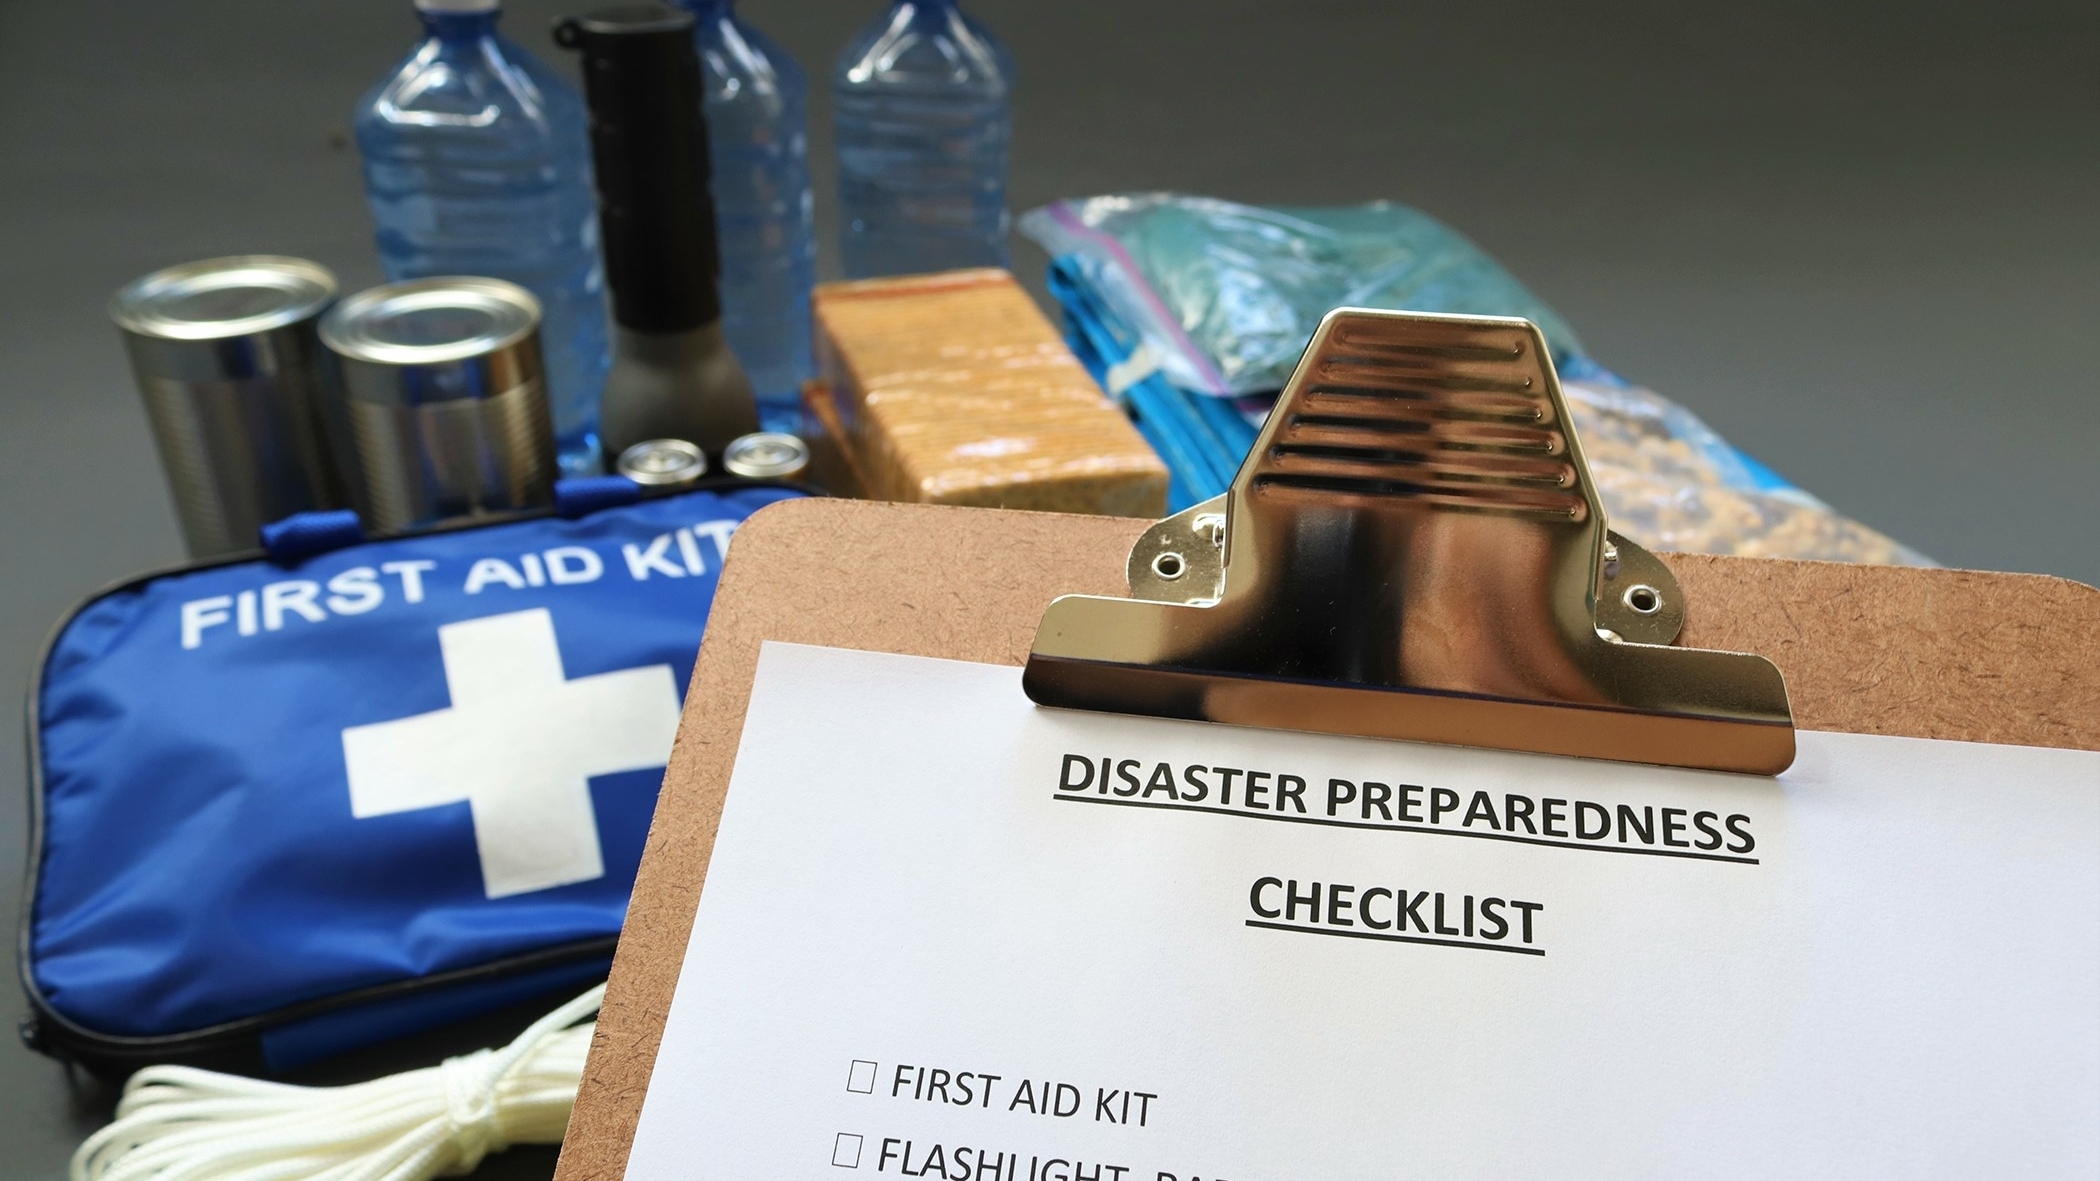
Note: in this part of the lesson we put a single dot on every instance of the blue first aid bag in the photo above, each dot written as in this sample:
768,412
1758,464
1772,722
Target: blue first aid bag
286,809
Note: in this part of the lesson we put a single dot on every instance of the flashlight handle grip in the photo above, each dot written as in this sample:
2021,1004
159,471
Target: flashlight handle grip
656,214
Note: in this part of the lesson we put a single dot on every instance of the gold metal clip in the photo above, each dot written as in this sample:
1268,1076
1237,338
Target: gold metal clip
1414,549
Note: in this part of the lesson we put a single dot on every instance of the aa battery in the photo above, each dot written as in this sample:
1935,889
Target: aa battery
234,380
444,410
664,465
766,455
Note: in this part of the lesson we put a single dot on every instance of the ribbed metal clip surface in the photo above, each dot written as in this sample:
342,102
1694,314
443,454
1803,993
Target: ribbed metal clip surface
1414,549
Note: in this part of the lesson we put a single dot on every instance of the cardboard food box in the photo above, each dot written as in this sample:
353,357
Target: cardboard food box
954,389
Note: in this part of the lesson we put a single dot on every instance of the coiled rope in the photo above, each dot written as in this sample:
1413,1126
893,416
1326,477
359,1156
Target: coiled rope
177,1123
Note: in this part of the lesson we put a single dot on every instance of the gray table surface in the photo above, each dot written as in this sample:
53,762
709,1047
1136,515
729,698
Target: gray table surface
1859,239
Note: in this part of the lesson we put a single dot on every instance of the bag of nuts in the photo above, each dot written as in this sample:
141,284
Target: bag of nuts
1670,483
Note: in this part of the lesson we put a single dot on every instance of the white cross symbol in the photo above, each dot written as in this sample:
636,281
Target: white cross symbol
519,744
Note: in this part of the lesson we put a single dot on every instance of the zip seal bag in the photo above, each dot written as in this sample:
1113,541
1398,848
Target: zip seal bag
1183,306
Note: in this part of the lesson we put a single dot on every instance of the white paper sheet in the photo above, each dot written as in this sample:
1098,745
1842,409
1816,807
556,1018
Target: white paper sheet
1886,965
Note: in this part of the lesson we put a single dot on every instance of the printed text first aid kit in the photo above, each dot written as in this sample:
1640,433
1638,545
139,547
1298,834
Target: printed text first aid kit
284,810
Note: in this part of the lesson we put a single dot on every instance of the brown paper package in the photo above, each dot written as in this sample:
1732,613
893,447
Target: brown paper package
953,389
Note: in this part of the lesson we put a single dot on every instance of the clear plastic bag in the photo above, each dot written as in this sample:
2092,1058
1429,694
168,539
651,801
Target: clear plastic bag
1227,294
1193,298
1670,483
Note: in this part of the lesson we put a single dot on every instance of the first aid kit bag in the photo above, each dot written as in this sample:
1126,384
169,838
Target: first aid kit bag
284,808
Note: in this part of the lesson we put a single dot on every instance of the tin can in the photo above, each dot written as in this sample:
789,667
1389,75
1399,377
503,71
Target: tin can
766,455
235,385
444,407
663,464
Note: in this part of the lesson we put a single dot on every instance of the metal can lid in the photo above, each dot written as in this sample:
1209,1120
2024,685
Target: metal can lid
431,321
766,455
663,463
217,298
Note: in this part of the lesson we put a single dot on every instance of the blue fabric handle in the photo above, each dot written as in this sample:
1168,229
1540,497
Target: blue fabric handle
580,496
303,535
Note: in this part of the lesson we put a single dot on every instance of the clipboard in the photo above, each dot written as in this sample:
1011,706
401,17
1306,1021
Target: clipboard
1946,654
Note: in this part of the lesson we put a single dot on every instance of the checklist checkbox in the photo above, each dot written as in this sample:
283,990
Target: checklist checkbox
860,1077
846,1152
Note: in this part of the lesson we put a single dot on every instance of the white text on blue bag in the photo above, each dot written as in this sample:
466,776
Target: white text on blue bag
681,553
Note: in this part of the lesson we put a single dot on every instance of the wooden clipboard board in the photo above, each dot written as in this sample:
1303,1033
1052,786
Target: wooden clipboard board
1950,654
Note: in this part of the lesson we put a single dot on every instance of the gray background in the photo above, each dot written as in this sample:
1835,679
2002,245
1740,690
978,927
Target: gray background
1859,239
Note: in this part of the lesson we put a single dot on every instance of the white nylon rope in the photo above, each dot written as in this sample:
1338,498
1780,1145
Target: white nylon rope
177,1123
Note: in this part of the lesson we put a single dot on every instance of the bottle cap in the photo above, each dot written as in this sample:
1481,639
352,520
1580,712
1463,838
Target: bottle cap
461,6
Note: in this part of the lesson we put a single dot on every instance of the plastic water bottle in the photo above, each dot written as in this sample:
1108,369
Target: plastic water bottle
756,100
477,162
922,126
